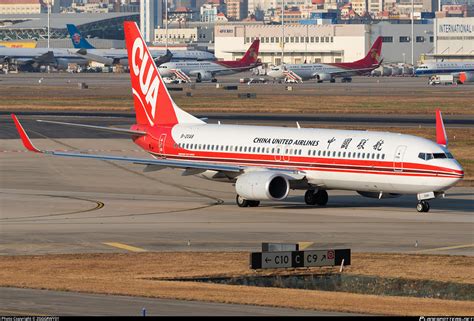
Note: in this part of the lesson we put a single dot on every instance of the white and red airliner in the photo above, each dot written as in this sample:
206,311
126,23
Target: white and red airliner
266,162
330,71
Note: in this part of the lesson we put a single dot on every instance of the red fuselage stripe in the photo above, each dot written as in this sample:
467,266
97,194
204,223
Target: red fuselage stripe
375,167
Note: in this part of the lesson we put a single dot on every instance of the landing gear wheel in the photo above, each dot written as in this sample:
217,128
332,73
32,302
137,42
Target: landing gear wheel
213,80
310,197
321,197
423,206
242,202
333,80
254,203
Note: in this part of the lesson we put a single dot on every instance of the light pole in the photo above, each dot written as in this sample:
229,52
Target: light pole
282,32
412,33
49,13
166,22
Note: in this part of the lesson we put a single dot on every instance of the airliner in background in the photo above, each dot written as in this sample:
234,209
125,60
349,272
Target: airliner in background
33,58
441,67
330,71
207,70
263,162
464,70
119,56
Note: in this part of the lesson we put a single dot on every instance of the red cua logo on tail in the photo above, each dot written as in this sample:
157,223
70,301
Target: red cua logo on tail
145,83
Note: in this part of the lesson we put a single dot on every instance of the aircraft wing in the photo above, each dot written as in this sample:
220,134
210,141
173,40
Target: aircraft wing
107,129
164,59
94,57
144,161
191,167
46,58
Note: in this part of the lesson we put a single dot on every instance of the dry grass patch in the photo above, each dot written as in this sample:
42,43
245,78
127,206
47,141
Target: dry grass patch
271,98
129,274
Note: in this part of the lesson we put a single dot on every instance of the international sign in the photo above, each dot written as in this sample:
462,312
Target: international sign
295,259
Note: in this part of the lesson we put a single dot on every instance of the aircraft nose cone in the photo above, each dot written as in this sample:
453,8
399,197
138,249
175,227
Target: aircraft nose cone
458,171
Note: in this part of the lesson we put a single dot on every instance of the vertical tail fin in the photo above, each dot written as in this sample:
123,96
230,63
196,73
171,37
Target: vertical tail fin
153,104
251,55
76,37
373,56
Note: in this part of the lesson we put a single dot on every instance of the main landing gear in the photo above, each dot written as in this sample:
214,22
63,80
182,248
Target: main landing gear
423,206
242,202
312,197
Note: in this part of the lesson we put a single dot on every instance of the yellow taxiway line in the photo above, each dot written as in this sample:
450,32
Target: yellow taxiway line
125,247
446,248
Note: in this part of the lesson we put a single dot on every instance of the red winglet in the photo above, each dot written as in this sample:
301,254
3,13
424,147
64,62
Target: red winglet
441,137
24,137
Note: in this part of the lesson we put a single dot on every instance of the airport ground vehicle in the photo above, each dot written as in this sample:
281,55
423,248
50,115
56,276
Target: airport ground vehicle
441,80
169,80
265,162
257,81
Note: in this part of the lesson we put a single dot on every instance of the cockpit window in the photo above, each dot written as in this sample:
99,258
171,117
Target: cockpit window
428,156
439,155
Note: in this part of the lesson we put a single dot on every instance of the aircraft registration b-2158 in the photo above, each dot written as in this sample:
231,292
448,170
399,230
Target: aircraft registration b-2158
266,162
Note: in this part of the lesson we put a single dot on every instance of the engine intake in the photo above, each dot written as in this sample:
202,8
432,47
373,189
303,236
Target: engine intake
202,76
262,186
323,77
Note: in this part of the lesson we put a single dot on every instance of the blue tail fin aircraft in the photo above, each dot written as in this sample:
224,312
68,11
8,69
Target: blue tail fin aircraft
77,40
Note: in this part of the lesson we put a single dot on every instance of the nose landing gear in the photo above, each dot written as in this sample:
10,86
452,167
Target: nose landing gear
423,206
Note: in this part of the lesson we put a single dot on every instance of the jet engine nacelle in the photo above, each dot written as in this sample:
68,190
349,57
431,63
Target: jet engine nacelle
203,76
386,71
377,194
323,77
61,64
262,185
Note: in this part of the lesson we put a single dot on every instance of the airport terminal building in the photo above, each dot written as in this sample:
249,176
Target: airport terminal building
324,43
105,29
454,38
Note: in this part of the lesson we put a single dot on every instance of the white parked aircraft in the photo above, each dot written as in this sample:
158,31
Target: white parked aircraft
266,162
207,70
330,71
58,58
453,67
119,56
